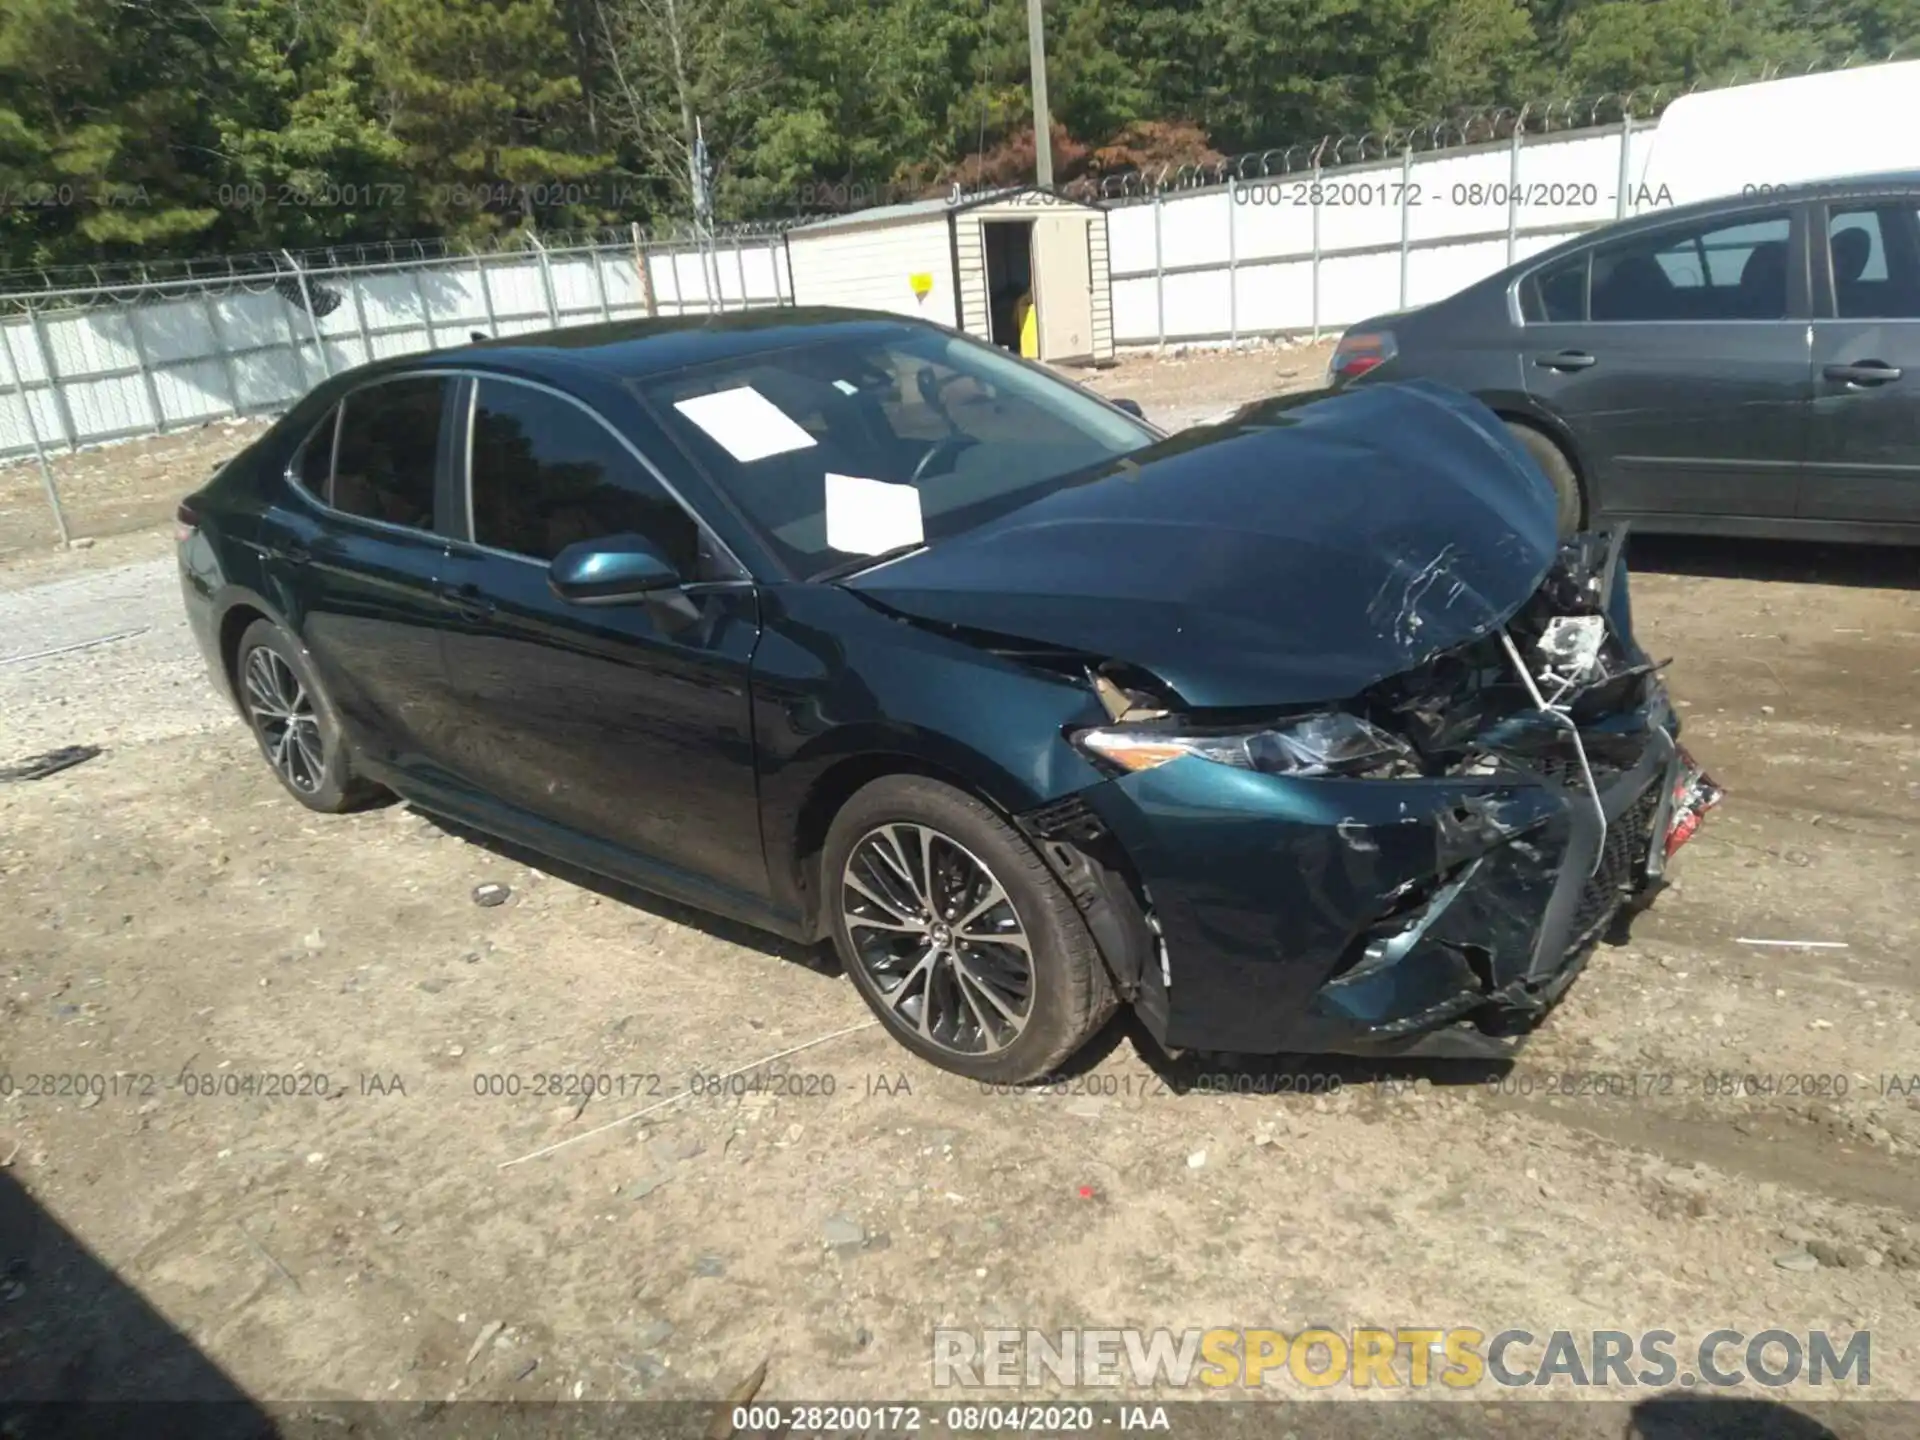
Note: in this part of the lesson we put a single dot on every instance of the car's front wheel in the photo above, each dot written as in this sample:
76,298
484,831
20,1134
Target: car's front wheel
295,724
957,935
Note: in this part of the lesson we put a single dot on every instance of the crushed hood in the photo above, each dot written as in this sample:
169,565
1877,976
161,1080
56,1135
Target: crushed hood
1298,553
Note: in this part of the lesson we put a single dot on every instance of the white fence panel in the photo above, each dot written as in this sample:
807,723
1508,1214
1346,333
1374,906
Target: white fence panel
179,353
1310,251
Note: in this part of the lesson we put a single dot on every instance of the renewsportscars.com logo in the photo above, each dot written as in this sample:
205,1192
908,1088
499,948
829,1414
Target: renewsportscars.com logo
1408,1357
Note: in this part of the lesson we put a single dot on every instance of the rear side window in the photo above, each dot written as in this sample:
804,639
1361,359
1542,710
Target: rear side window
1874,256
547,475
1730,269
1556,294
384,464
314,465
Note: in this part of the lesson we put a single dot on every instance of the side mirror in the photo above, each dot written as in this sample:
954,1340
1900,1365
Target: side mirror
1132,407
610,570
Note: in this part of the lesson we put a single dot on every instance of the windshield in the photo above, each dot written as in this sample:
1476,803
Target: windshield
876,441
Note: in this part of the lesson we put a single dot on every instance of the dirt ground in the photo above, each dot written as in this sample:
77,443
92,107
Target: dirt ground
112,489
1699,1111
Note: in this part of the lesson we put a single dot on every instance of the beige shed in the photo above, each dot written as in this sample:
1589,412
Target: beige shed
965,262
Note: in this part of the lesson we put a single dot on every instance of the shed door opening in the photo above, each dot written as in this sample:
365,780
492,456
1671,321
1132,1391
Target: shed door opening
1008,245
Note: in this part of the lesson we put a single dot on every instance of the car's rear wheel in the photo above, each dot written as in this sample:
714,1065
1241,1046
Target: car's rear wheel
957,935
295,724
1559,469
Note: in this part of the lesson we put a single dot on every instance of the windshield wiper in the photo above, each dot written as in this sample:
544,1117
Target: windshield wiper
865,562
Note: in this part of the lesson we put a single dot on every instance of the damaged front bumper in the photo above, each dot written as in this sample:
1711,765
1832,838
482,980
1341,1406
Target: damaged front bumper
1355,916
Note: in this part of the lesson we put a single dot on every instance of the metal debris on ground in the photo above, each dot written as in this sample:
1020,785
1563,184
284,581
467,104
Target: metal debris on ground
491,894
487,1333
92,644
38,767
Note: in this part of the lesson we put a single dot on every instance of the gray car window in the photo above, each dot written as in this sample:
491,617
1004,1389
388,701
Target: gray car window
1875,263
1714,269
1557,293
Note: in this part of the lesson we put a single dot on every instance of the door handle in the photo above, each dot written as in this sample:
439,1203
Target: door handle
295,554
468,602
1866,372
1566,360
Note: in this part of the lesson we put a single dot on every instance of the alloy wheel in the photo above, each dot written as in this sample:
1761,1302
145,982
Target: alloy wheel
939,936
283,713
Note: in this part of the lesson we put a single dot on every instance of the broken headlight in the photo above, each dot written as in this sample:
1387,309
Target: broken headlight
1329,743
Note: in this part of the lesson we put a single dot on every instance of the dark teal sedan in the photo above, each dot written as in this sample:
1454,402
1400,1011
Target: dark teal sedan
1304,731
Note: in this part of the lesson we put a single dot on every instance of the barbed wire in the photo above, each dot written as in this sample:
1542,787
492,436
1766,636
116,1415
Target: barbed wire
258,272
1537,117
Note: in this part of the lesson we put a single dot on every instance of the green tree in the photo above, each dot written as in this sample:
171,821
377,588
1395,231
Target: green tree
482,96
105,146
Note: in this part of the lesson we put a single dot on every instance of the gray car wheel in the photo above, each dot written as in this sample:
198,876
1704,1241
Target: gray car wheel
1548,455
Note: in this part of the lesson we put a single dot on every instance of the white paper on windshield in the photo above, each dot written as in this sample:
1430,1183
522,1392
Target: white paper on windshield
747,424
870,517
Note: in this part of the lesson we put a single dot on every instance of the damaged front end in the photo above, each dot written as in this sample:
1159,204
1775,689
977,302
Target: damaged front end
1420,869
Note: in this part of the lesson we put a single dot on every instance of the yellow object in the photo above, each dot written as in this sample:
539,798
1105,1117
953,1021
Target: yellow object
1029,322
922,284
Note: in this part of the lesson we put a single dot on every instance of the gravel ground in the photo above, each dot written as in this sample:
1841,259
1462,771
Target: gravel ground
1706,1134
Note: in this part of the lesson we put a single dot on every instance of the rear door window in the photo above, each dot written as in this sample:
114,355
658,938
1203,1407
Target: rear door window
385,461
1556,294
313,466
1717,269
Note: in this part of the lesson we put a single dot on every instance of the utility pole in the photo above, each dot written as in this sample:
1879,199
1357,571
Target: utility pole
1042,124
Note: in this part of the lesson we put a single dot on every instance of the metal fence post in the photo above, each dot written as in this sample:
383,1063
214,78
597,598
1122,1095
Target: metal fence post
1513,191
69,436
426,310
773,265
360,317
546,280
1159,275
1626,164
740,268
486,295
19,387
1233,280
313,319
222,352
146,370
1406,218
679,294
600,284
293,336
644,271
1314,195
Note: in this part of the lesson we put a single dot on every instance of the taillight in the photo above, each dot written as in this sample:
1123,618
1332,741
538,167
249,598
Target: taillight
1360,351
186,520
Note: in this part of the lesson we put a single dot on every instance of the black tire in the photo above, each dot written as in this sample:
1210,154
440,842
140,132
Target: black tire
1548,455
1068,995
312,762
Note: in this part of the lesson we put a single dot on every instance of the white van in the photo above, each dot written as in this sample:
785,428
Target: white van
1781,134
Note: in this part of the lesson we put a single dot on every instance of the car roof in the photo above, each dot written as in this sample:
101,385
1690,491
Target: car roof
1840,187
624,349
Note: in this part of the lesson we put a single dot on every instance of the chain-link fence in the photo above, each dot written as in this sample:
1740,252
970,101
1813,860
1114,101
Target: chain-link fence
93,354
